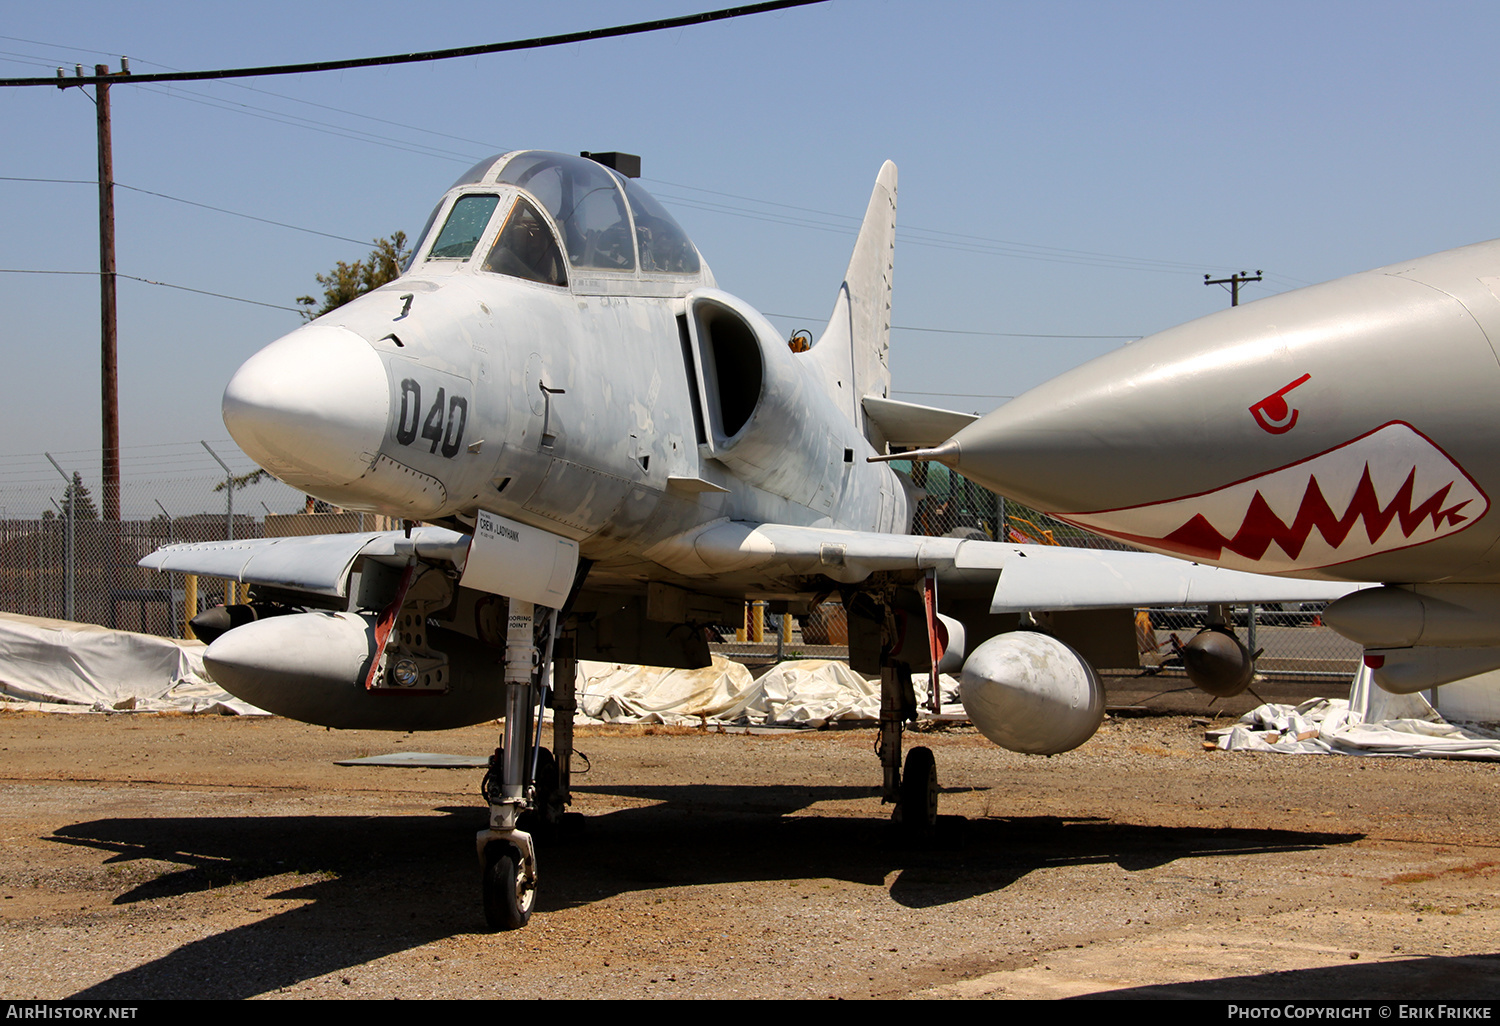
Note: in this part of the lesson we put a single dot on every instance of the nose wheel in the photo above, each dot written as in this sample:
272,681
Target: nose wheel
509,891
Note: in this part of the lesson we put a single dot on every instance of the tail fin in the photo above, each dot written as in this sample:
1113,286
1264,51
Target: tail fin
854,349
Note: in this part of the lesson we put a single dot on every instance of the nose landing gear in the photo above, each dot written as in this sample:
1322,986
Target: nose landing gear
524,778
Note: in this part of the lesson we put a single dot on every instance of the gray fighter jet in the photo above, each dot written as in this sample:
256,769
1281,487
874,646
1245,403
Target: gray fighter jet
607,454
1337,432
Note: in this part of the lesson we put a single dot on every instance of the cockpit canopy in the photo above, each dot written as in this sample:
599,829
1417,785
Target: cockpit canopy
603,220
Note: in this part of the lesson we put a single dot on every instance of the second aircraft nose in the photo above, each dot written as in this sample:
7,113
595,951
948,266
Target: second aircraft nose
311,407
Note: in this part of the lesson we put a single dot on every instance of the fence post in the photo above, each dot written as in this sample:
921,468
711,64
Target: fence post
68,542
228,488
189,604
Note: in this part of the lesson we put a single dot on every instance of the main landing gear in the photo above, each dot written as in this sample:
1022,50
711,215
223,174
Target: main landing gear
914,790
526,787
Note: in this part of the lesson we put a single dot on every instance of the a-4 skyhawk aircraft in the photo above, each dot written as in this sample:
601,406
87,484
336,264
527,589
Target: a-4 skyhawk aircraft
607,453
1344,431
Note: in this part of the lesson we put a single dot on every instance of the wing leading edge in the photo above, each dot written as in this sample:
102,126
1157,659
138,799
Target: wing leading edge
319,564
1024,577
1027,577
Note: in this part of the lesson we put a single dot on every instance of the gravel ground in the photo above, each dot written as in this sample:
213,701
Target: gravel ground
151,856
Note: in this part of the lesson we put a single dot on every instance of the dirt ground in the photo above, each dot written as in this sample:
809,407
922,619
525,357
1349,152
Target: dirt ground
146,856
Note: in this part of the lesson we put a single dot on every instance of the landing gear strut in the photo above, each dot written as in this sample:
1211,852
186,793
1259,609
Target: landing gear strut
915,791
523,776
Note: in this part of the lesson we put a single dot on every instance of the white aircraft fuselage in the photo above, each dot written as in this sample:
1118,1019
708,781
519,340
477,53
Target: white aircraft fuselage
619,407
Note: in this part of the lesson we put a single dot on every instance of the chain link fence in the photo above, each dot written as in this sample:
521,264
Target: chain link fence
59,557
82,567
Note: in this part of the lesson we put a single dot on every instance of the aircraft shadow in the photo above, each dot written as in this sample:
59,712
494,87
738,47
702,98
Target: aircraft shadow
1434,977
381,885
962,859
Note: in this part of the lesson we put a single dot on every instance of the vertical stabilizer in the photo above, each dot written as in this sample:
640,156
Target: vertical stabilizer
853,351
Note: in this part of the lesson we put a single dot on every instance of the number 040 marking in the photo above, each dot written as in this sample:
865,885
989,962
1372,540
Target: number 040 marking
443,425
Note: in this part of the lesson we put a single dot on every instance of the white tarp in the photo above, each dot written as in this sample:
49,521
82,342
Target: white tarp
807,692
70,667
1371,722
75,667
56,665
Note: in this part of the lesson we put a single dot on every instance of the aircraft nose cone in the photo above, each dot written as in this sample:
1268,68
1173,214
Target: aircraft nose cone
311,407
1080,441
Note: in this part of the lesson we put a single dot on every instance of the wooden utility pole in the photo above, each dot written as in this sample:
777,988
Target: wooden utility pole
1233,281
109,380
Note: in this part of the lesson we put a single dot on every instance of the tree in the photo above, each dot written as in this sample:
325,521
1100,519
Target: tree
84,508
349,281
244,481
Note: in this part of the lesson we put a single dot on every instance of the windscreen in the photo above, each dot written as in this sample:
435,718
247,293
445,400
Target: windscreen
466,223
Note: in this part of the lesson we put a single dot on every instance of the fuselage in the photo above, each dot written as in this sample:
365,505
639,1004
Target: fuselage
558,353
1342,431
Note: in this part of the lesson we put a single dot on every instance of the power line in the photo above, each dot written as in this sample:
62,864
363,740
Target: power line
236,213
204,292
918,235
149,281
294,121
962,331
191,203
52,181
953,395
426,55
46,62
1011,334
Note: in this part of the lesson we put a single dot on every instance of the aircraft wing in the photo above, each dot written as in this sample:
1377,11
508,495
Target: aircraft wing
1027,577
1024,577
318,564
1053,577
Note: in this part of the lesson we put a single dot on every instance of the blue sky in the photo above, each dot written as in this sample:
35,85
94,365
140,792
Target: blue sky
1069,168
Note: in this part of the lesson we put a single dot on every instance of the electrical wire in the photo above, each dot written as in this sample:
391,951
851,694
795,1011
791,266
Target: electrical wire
918,235
236,213
320,127
422,56
149,281
962,331
205,292
955,395
191,203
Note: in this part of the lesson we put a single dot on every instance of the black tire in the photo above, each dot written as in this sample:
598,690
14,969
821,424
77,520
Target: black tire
508,898
919,792
548,812
546,783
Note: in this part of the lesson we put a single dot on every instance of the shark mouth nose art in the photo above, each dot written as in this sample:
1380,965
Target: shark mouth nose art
1389,489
